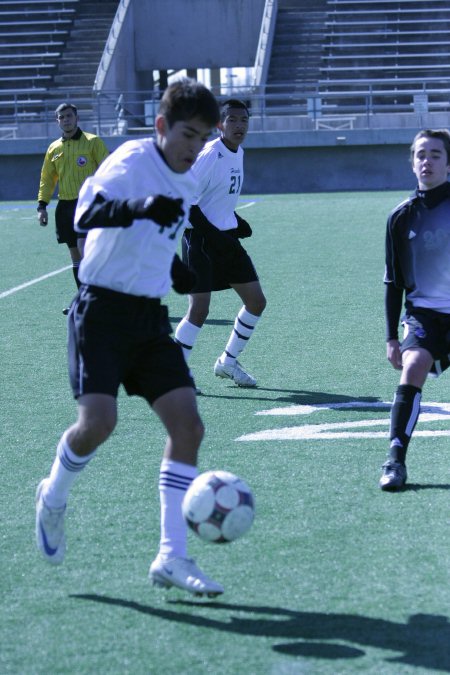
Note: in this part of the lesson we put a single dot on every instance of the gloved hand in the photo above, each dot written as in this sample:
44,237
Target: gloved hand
163,210
183,279
243,228
225,244
42,216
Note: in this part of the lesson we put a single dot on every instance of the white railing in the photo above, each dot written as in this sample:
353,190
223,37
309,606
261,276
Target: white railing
265,42
283,107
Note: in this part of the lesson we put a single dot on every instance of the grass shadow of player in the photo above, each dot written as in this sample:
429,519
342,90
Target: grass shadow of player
423,641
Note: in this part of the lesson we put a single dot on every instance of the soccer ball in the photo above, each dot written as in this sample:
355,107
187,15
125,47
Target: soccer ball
219,506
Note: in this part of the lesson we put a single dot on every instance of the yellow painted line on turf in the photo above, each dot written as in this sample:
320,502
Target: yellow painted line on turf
34,281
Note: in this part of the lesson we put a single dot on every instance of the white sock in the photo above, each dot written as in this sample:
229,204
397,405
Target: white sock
174,480
244,325
186,334
65,469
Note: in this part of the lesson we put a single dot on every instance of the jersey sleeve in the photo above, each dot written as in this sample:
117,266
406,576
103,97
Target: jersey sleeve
203,170
48,180
100,151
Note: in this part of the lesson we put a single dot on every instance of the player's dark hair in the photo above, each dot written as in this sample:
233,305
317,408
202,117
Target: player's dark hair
186,99
232,103
64,106
442,134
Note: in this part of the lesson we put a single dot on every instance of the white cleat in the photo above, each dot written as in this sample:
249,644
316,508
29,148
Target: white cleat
234,372
182,573
50,538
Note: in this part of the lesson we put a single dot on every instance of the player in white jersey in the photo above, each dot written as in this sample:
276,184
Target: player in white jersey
134,210
211,247
417,268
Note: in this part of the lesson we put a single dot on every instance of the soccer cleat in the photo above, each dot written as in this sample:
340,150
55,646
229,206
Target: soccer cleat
234,372
66,311
182,573
50,538
394,475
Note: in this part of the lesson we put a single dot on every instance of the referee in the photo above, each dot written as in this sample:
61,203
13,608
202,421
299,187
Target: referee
68,161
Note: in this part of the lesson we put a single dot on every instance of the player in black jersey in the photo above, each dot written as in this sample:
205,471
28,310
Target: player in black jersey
417,271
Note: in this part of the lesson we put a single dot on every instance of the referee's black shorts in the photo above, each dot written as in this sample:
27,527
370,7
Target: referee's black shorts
214,271
116,338
64,221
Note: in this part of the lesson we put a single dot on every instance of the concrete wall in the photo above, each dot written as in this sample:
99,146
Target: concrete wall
280,162
196,33
206,34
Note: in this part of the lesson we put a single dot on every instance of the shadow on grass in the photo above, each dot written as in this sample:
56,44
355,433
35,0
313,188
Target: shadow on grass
299,397
209,322
423,641
415,487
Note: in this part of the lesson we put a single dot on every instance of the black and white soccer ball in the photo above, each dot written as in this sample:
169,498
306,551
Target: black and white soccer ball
219,507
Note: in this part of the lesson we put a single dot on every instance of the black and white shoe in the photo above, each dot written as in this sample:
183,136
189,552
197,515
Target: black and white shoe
394,475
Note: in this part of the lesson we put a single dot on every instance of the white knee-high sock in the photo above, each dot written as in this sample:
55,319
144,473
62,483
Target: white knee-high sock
244,325
65,469
186,334
174,480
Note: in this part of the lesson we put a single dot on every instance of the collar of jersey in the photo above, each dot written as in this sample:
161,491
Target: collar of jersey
433,197
75,137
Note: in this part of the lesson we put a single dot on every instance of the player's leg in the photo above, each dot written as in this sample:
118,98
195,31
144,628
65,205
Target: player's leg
81,241
96,362
65,233
96,420
178,412
404,415
245,323
189,327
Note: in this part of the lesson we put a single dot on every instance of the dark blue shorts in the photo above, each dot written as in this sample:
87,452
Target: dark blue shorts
215,272
64,222
115,338
429,330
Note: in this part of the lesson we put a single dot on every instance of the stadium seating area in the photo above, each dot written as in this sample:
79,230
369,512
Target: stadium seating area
391,39
49,49
346,52
328,56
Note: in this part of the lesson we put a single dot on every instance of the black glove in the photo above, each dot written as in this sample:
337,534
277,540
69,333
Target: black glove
42,213
243,228
163,210
223,243
183,279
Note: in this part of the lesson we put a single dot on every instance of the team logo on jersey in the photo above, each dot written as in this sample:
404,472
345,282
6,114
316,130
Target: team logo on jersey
81,160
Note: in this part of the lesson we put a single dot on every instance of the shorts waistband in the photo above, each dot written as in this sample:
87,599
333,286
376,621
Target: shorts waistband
118,295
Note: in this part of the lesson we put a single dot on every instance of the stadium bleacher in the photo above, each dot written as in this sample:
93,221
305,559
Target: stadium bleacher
329,57
49,50
395,38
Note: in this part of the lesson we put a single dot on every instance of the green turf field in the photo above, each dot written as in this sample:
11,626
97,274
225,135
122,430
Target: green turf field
335,576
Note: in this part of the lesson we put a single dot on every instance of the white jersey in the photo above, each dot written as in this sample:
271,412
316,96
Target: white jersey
220,174
135,259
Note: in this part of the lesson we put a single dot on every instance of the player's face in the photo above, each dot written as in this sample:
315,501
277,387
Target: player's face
430,163
67,122
181,143
234,127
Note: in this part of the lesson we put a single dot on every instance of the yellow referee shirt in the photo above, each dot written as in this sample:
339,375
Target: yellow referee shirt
69,162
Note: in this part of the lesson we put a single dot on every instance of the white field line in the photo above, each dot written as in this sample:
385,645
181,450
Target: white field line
33,281
245,206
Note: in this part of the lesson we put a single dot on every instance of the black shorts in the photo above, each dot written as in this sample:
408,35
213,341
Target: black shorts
115,339
64,221
215,272
428,329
